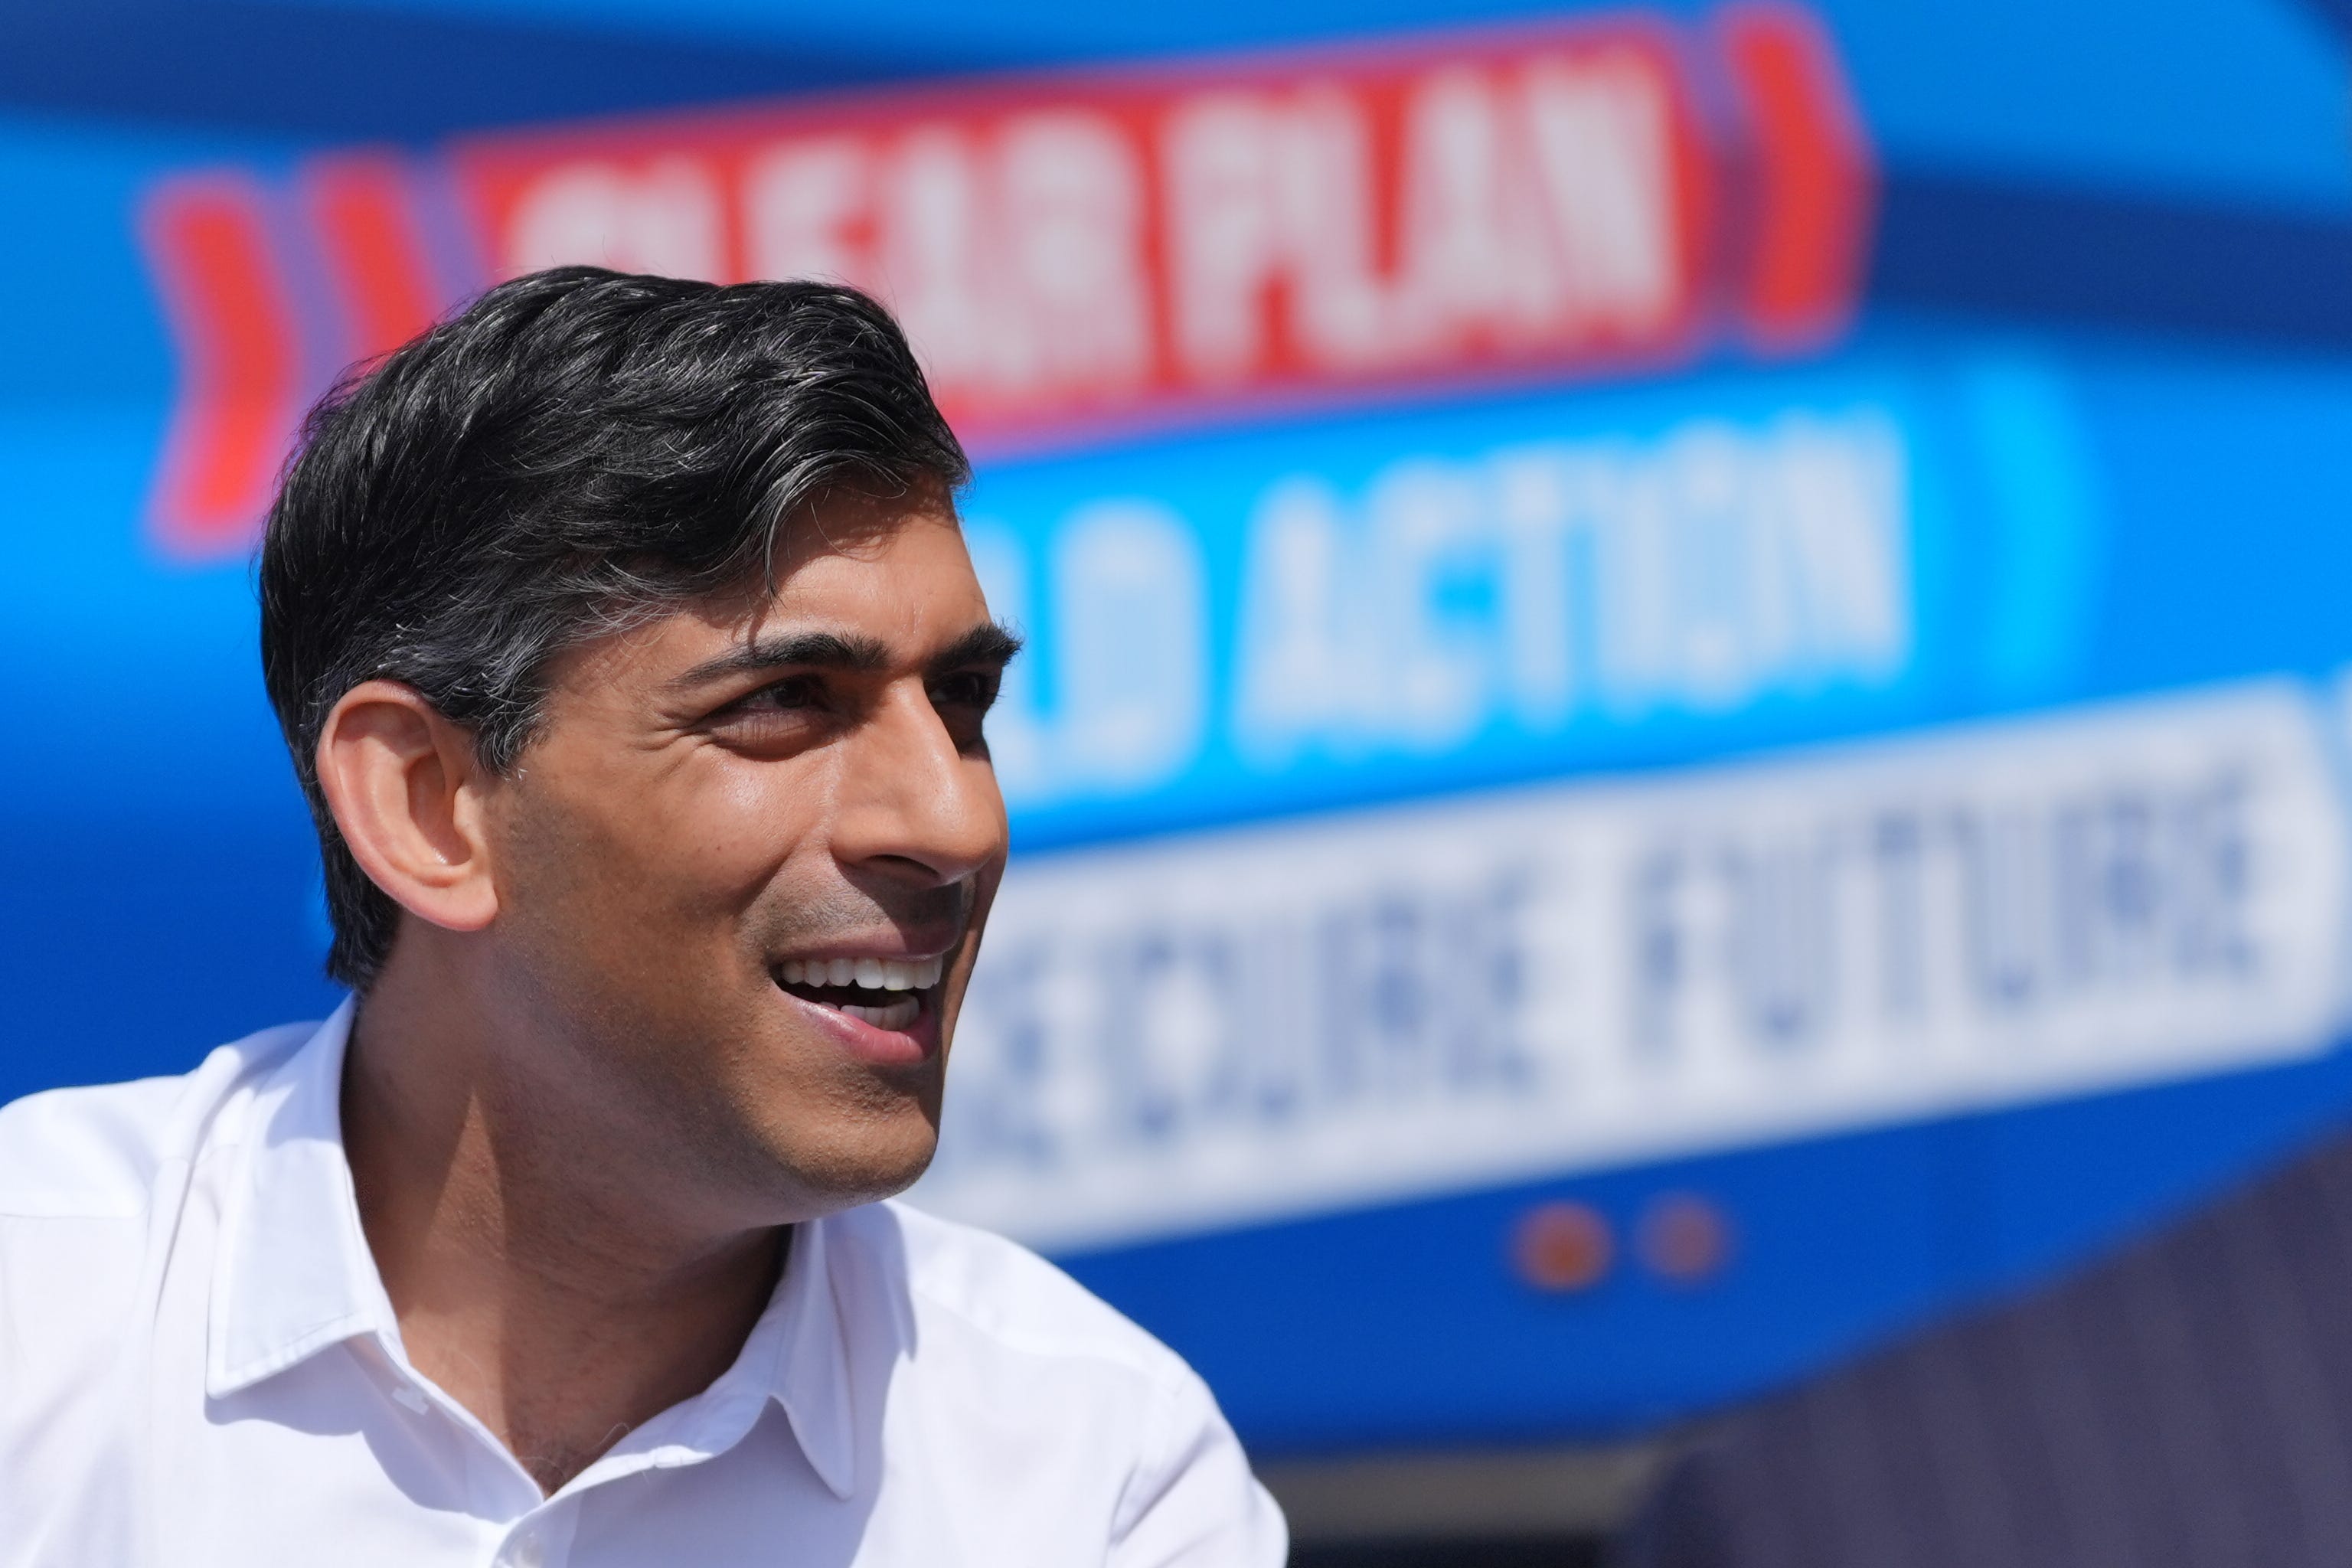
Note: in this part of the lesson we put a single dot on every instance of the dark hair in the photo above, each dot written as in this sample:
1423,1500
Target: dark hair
576,449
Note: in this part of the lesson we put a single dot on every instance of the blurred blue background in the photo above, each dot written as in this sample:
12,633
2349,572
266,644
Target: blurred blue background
2003,530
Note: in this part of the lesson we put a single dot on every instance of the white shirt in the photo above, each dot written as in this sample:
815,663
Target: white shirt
198,1365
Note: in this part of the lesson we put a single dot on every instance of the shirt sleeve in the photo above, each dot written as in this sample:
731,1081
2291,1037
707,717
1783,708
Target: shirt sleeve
1192,1502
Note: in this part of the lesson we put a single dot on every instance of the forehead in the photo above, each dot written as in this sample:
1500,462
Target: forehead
892,572
888,564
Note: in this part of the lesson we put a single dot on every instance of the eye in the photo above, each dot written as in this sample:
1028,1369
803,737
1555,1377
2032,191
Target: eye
780,713
793,692
973,691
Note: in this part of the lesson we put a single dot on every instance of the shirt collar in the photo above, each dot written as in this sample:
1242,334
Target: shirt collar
810,1377
295,1276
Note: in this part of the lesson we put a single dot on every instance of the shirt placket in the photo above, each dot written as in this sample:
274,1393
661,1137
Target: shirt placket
519,1526
541,1538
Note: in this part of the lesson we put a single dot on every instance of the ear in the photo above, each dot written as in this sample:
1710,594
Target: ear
406,788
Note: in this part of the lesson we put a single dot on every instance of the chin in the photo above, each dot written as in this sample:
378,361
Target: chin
863,1163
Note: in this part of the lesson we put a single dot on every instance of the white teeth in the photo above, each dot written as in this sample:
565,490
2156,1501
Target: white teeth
897,1016
873,973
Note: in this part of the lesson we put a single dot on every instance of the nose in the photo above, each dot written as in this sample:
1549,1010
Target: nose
909,804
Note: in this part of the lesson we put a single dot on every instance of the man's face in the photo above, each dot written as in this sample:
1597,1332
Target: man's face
745,862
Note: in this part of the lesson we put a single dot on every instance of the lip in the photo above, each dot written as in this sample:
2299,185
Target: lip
910,1047
910,945
906,952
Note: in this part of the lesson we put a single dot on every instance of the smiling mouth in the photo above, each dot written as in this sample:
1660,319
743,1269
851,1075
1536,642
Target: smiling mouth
887,993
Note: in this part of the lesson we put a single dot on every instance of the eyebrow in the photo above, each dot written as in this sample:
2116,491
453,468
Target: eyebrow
989,644
986,644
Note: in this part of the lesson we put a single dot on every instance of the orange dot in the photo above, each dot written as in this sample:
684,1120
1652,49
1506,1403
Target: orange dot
1562,1247
1684,1238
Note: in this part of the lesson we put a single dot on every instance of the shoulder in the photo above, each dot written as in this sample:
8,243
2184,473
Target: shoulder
94,1195
1026,1360
96,1153
1011,1297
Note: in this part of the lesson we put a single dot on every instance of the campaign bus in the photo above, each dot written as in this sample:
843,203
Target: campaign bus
1682,705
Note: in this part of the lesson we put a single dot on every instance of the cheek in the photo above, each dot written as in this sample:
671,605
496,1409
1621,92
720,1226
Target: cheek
664,852
722,835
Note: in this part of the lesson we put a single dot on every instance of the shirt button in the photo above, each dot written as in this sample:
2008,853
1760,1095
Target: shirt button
525,1552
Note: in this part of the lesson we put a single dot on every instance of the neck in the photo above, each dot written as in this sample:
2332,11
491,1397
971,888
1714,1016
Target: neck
558,1288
